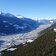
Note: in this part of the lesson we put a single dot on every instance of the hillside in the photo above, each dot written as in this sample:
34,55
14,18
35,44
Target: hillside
42,46
10,24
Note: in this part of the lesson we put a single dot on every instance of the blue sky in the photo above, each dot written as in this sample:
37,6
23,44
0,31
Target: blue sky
30,8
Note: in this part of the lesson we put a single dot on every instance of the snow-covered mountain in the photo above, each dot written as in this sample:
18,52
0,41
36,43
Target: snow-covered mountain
10,24
7,14
19,29
45,21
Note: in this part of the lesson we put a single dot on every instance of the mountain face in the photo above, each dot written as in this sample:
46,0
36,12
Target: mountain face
10,24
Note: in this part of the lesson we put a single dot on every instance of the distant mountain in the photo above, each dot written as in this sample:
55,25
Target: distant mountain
19,29
7,15
45,21
44,45
10,24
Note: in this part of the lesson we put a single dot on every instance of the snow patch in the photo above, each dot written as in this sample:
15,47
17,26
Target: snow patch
11,49
30,40
51,21
19,16
54,29
4,21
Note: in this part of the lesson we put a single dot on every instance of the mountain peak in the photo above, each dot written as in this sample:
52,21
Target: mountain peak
7,14
19,16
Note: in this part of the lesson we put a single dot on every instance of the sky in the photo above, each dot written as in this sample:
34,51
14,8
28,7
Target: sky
30,8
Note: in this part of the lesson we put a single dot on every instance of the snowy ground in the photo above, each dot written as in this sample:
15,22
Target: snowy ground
11,49
17,39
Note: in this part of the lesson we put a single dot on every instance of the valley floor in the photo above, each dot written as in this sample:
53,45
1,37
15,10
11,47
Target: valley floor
45,45
21,38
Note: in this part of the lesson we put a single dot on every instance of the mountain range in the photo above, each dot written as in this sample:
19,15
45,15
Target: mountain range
19,30
10,24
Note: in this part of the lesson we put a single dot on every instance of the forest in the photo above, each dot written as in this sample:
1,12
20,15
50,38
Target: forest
45,45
